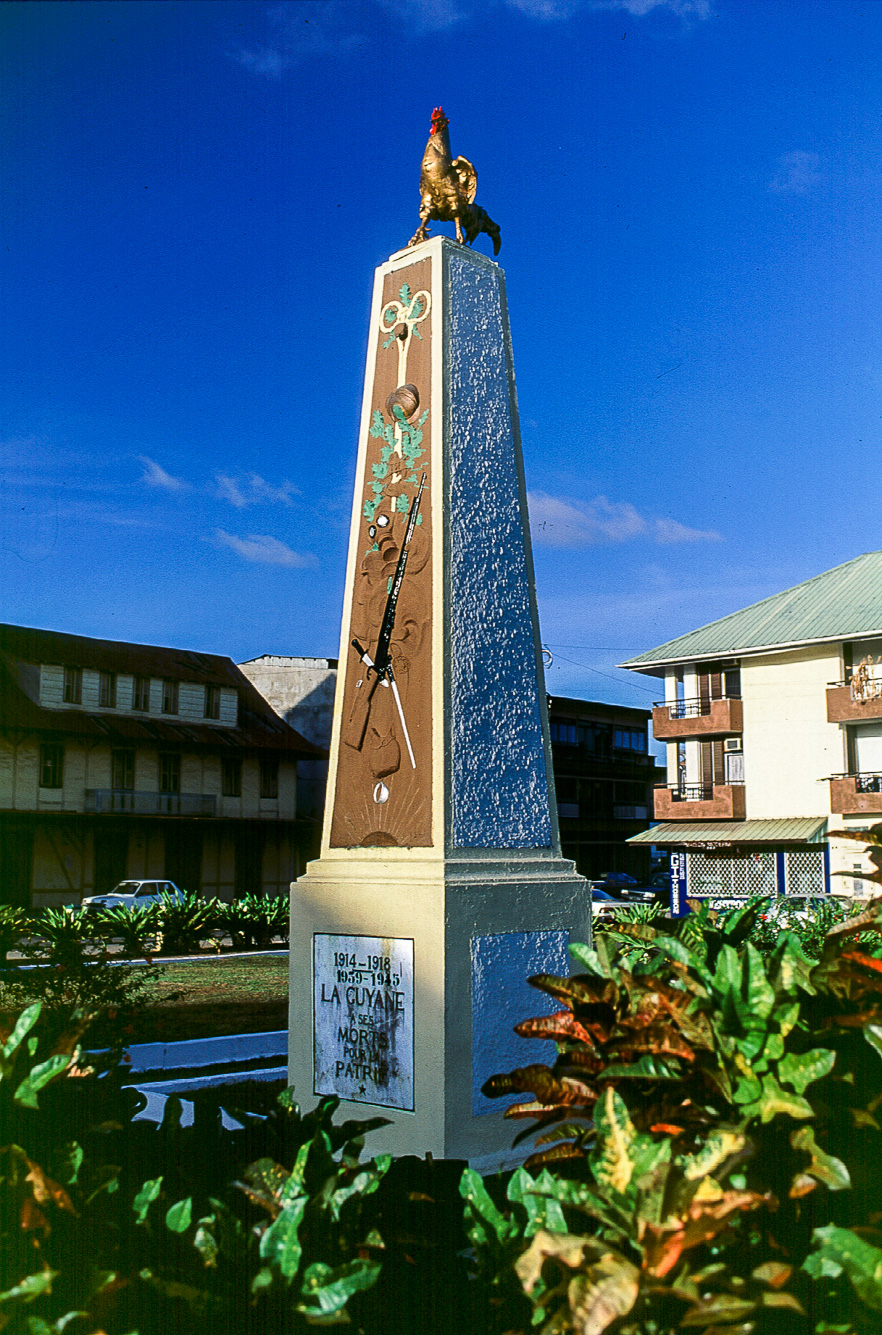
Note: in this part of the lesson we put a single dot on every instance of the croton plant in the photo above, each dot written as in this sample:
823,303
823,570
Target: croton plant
708,1146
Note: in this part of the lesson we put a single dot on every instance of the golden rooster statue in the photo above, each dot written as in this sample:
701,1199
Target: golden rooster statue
447,190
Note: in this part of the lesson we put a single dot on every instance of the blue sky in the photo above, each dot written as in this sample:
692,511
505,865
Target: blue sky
197,195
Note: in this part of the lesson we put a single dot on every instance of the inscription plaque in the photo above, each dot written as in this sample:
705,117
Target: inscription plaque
363,1019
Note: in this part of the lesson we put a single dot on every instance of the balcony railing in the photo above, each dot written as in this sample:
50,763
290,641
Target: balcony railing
854,700
851,794
116,800
700,801
691,708
700,717
692,792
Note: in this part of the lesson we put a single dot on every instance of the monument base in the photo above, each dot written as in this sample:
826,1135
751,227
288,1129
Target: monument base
408,973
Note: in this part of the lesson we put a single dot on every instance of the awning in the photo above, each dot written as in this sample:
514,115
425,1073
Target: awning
793,830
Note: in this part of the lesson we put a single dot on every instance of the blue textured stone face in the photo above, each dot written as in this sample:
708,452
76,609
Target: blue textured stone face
501,997
498,781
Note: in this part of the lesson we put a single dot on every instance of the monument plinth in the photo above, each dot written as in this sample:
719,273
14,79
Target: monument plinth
440,884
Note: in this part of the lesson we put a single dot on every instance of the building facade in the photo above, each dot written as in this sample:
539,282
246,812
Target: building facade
604,777
123,760
773,723
301,691
603,773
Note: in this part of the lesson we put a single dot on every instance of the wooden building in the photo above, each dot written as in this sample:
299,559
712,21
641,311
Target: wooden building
128,760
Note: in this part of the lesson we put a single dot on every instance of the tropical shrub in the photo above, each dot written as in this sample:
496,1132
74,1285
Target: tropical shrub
254,921
708,1144
15,925
77,982
116,1225
135,928
186,925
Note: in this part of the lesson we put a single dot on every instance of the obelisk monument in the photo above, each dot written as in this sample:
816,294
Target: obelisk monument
440,886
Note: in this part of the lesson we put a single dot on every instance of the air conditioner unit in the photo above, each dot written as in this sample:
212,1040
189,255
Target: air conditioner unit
732,744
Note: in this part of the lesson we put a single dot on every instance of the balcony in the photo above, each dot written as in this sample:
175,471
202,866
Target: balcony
853,794
674,719
130,803
854,701
701,801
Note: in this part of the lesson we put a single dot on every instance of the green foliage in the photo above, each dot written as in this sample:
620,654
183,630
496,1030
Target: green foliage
75,979
709,1132
809,923
398,435
15,925
85,1238
254,921
135,927
186,924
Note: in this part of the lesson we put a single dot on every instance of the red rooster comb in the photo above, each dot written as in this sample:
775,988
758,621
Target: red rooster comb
439,120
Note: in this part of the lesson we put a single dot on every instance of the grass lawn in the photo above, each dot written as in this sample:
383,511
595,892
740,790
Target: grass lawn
219,995
246,995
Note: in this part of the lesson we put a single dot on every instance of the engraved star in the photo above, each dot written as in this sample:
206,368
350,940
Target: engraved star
361,1089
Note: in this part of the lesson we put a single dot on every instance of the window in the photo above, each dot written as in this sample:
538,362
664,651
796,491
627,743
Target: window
107,690
231,778
212,702
73,686
269,777
627,740
122,770
169,697
51,765
141,694
169,772
732,683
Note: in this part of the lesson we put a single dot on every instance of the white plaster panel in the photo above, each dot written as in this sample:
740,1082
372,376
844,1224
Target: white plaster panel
27,763
7,774
51,685
90,688
789,747
287,790
191,773
191,701
300,690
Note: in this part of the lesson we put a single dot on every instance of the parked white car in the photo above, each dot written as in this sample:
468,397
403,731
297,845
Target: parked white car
130,893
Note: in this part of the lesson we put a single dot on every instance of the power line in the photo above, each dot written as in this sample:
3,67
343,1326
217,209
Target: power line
651,690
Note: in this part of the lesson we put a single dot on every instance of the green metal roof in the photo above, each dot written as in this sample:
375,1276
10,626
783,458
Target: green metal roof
841,604
791,830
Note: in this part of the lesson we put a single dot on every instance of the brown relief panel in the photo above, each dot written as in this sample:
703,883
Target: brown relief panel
383,795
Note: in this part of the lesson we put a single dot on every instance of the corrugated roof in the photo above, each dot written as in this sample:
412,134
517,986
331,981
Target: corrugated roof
23,648
841,604
790,830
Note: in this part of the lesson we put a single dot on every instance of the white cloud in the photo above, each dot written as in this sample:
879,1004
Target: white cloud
558,523
262,548
301,30
156,476
228,490
306,29
797,173
253,490
564,9
671,530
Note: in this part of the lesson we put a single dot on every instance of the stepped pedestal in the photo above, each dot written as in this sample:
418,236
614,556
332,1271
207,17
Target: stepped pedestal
440,886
